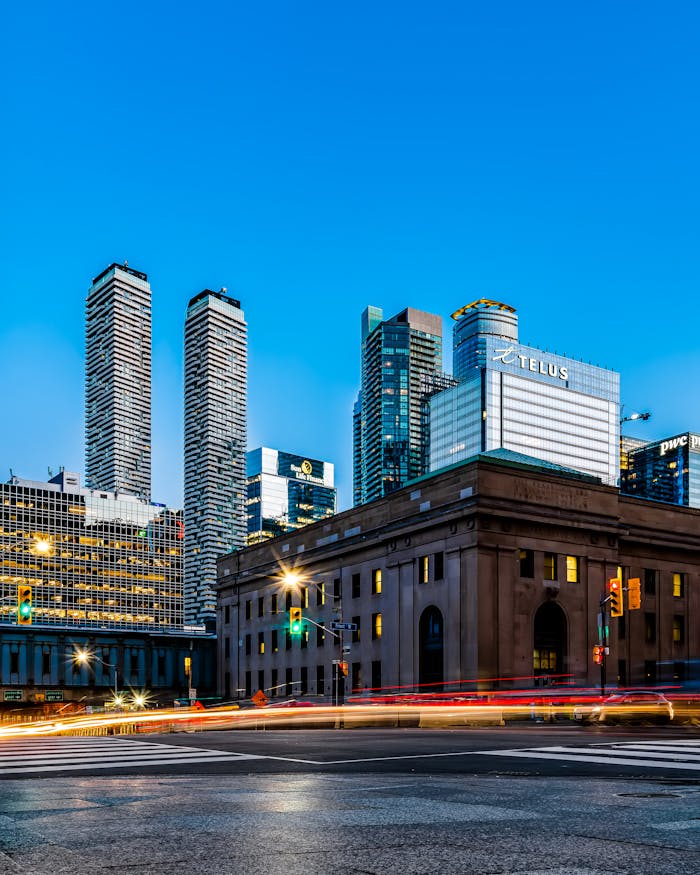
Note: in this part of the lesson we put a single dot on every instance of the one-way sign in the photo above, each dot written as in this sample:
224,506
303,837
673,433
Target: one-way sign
342,627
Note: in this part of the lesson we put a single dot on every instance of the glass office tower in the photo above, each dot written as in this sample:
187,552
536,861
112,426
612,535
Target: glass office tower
216,368
118,382
667,470
387,432
286,492
92,558
524,399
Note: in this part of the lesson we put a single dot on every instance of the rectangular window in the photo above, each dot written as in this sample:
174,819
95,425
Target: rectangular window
274,643
356,633
356,677
376,674
261,642
288,600
320,680
161,664
679,671
46,663
227,614
274,691
423,569
439,566
320,636
678,585
248,609
649,672
304,593
261,606
261,680
678,630
621,628
304,680
527,563
273,603
355,586
572,569
376,626
14,663
649,581
248,645
622,672
304,638
288,682
376,581
320,595
550,566
287,639
336,587
248,685
650,628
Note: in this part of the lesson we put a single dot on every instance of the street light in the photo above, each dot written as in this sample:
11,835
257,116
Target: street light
84,657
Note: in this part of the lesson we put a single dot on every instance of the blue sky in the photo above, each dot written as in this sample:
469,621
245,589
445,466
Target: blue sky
315,158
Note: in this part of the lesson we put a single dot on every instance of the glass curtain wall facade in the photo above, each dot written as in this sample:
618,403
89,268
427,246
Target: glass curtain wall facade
667,470
118,382
286,492
524,399
387,429
92,559
216,369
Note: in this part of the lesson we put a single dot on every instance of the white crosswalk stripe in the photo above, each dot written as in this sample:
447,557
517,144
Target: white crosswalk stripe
661,754
61,754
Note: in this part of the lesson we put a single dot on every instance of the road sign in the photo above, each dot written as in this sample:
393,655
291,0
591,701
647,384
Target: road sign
13,695
259,699
347,649
193,693
54,696
342,627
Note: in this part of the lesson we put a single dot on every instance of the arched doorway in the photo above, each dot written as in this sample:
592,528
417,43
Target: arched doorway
431,648
549,640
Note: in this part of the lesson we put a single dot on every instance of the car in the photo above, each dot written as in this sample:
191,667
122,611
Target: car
631,706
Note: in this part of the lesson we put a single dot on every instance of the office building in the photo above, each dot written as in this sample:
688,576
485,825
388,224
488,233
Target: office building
524,399
92,559
216,367
118,382
488,574
666,470
286,492
396,353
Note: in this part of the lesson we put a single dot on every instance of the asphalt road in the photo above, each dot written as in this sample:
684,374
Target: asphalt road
537,799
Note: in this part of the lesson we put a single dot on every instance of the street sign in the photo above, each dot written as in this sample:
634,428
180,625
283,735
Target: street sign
13,695
259,699
347,649
193,693
54,696
334,626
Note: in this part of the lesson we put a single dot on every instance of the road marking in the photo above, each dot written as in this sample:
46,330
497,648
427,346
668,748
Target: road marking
619,754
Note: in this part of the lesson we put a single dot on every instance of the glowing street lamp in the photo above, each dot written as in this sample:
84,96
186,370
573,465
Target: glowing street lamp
84,657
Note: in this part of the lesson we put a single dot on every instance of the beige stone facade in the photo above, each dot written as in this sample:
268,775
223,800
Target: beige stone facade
492,573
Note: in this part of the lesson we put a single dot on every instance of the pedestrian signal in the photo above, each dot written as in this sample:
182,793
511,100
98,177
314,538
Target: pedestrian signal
598,652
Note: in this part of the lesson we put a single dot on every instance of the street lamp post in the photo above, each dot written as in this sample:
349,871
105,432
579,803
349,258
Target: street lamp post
83,657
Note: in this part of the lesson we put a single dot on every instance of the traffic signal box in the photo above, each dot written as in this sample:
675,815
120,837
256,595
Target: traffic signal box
295,627
598,652
24,605
617,607
634,594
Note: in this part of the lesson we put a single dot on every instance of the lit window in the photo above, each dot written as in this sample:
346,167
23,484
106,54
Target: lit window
678,585
376,626
423,569
376,581
572,569
550,566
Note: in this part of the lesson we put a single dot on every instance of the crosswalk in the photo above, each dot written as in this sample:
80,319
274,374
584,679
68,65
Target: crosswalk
681,754
70,754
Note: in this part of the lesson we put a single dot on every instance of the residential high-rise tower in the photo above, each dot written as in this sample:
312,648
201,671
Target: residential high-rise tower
118,382
397,354
216,366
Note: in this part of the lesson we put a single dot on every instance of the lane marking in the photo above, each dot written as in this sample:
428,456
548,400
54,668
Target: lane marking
607,760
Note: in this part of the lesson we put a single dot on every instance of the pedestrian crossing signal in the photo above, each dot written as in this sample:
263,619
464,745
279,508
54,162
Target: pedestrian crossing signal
295,627
24,605
598,651
617,608
634,594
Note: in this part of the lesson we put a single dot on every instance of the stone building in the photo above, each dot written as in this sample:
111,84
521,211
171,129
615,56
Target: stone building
488,574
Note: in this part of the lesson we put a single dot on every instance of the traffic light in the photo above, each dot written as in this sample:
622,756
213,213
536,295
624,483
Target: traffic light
24,605
634,594
343,666
598,651
617,608
295,621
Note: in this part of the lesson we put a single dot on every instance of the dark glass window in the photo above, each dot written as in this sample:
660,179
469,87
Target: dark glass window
274,689
356,676
288,601
304,680
356,633
678,629
273,603
261,679
320,680
527,563
14,663
355,586
336,588
248,645
248,685
320,636
649,581
274,643
261,606
550,566
621,628
46,663
248,609
439,566
288,682
376,674
650,628
649,671
227,614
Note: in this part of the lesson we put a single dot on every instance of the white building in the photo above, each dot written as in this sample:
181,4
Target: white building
216,367
523,399
118,382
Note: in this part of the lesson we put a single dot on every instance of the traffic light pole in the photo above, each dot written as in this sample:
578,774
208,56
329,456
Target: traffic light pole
604,642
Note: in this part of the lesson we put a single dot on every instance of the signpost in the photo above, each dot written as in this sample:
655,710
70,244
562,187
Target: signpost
335,626
53,696
12,695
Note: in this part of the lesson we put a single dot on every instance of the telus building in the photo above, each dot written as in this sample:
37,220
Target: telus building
523,399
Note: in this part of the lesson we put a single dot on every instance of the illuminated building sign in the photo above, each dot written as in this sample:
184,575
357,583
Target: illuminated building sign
509,356
683,440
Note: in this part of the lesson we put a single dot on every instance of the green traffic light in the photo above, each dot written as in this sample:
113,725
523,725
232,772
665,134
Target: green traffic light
296,627
25,609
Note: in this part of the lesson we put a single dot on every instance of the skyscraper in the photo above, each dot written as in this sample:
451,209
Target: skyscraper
118,382
523,399
216,367
396,354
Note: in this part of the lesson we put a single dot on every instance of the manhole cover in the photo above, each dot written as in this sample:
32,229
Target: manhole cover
651,795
